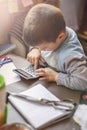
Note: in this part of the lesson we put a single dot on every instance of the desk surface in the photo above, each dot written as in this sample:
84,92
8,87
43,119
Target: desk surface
61,92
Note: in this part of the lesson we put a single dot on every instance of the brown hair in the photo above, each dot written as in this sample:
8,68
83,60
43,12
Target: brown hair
43,23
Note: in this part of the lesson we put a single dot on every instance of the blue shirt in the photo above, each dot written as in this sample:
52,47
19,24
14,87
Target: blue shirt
70,61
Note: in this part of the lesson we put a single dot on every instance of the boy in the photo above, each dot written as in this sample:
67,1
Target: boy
15,33
57,45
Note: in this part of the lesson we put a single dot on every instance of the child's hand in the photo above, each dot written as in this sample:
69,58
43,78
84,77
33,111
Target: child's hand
47,74
34,56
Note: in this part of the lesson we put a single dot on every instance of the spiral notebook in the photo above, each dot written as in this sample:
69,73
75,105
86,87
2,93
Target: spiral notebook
38,115
6,47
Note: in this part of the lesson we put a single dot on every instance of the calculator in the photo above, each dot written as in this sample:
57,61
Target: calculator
27,73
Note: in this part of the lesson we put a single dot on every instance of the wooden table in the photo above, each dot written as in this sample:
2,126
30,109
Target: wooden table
59,91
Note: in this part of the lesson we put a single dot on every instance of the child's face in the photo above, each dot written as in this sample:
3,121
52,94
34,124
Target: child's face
50,46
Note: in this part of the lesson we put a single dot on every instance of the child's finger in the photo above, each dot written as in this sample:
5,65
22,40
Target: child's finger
36,64
42,78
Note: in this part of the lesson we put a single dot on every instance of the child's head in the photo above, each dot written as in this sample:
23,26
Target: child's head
43,23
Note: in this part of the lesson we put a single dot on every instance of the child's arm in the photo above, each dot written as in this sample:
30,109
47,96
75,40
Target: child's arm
75,75
34,56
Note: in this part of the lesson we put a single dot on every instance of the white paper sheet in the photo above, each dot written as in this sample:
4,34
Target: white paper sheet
80,116
38,115
7,71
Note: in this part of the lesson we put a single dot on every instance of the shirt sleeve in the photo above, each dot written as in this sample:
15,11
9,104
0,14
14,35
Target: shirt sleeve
74,75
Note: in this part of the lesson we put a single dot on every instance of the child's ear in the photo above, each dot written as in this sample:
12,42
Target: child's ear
61,36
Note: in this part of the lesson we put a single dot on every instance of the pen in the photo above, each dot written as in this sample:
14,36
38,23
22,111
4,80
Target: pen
63,105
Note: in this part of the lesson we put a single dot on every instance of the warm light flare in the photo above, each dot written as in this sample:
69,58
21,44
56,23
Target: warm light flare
3,12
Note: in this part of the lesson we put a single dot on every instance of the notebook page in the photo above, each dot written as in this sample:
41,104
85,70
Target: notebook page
7,71
36,114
